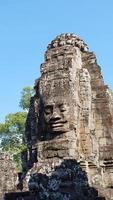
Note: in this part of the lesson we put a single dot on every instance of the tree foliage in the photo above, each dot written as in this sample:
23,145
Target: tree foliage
26,94
14,123
12,135
12,143
12,130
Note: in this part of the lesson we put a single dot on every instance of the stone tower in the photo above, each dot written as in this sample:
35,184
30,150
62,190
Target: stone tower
70,119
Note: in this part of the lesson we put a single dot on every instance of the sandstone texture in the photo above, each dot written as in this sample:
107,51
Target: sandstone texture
8,174
69,127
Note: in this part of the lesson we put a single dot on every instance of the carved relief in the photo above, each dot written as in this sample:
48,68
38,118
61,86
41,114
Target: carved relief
71,115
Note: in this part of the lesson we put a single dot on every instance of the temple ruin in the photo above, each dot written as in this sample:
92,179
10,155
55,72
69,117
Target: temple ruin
69,127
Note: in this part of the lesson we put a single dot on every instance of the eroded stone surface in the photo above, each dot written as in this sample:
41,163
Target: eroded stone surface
70,118
71,115
8,174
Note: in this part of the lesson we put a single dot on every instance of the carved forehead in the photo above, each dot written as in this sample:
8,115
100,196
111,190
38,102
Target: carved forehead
54,101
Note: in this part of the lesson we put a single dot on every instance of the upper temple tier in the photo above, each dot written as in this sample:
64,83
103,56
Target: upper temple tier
65,42
69,39
72,103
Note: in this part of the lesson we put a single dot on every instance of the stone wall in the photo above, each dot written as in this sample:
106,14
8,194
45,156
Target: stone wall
8,174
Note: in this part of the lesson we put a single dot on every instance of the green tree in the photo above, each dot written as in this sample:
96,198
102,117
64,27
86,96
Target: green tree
14,123
3,128
12,143
11,139
12,130
26,94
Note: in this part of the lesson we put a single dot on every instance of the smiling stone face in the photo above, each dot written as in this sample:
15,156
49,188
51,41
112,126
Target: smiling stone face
56,115
70,118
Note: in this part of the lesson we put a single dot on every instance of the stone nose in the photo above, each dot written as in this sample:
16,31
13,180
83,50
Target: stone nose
55,116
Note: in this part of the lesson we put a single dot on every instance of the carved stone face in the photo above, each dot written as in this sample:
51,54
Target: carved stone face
56,115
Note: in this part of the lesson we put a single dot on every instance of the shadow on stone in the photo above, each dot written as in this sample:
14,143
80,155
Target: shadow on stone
19,196
67,182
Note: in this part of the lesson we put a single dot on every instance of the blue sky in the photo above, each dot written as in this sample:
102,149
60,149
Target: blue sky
26,28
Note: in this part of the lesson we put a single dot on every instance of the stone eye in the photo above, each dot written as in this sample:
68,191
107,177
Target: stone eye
62,108
48,110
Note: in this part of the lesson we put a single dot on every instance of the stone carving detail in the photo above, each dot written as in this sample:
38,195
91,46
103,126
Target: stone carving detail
68,181
8,174
70,119
71,115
